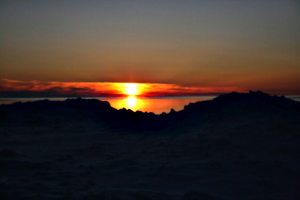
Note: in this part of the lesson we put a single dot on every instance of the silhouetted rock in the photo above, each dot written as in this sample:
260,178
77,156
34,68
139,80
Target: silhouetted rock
41,111
172,111
234,100
8,153
197,196
236,146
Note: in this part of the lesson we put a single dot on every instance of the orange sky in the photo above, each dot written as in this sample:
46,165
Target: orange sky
180,47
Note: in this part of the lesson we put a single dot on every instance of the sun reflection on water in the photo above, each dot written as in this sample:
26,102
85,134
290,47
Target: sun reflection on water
131,102
156,105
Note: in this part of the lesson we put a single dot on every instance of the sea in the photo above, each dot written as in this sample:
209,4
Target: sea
156,105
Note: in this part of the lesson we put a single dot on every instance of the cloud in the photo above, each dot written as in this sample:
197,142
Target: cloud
16,88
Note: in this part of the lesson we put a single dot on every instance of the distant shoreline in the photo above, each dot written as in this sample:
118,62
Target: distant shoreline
149,104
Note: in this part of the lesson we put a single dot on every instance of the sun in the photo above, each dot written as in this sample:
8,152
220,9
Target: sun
131,89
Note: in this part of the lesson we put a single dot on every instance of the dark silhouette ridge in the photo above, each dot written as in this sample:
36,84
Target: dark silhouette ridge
98,110
236,146
239,99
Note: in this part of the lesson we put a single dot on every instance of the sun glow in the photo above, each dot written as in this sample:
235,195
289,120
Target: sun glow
131,102
131,89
